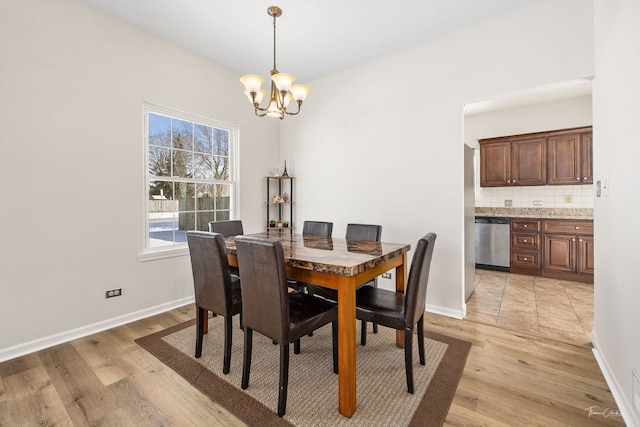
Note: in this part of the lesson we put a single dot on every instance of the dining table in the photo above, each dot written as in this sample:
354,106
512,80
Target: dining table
343,265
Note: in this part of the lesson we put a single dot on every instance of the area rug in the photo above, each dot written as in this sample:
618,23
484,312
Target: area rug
382,398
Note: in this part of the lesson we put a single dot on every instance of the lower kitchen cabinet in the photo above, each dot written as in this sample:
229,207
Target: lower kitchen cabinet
558,248
567,249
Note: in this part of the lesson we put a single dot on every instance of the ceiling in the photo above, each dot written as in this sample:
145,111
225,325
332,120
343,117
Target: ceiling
314,37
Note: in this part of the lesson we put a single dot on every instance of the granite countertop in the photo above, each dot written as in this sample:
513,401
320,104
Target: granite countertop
560,213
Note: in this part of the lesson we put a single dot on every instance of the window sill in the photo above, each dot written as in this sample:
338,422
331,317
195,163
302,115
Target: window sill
162,253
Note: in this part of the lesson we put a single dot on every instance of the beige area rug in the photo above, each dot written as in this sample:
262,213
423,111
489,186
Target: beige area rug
382,398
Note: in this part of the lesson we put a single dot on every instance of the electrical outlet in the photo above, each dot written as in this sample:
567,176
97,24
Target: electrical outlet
113,293
386,275
508,203
568,198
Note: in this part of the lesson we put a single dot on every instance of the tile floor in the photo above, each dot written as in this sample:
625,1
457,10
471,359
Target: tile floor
557,309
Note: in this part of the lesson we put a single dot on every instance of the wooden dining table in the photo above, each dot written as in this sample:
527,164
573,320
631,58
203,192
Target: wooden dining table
342,265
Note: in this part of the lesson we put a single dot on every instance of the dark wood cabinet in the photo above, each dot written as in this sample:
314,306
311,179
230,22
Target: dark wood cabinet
525,246
553,157
567,249
512,161
569,158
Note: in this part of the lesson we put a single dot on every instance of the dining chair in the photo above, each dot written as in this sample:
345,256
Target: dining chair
366,232
271,310
402,311
228,228
312,228
215,288
317,228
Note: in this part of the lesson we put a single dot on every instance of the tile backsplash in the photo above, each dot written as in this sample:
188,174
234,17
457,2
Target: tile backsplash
547,196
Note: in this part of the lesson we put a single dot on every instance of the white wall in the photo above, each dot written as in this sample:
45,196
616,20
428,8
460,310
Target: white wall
73,81
559,114
376,146
617,230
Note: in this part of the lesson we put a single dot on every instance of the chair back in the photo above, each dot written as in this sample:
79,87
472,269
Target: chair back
227,228
211,278
317,228
368,232
416,292
263,282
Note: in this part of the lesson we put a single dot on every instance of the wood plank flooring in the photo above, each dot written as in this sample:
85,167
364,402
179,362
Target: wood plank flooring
511,378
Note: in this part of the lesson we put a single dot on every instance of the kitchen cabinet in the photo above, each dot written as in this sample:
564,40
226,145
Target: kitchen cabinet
567,249
525,246
553,157
280,203
510,161
569,157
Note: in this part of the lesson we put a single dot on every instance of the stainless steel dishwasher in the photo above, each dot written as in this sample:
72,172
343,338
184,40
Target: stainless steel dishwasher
492,243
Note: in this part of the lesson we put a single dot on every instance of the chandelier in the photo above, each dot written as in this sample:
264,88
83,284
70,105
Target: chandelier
282,89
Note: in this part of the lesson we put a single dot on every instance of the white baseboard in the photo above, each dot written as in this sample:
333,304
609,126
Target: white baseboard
50,341
445,311
629,416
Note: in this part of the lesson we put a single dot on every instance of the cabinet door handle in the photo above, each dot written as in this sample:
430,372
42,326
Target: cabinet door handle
508,181
525,226
578,179
579,240
525,258
573,240
585,178
514,181
577,228
525,241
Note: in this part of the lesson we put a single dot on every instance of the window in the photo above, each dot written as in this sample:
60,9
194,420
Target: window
190,175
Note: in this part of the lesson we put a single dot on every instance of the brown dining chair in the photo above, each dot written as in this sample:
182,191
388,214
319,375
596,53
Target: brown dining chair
228,228
269,308
365,232
215,289
402,311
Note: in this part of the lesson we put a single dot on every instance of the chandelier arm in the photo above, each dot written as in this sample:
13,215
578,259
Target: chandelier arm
293,114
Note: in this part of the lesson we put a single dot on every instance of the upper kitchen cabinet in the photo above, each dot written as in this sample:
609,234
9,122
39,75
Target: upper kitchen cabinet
513,160
570,157
553,157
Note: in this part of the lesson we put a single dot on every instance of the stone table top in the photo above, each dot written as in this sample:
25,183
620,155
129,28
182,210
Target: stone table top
329,255
558,213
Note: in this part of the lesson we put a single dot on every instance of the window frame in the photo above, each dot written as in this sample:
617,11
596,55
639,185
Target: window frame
180,248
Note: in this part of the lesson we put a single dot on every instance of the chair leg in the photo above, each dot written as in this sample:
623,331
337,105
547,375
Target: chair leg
296,346
284,379
200,314
363,332
334,338
246,361
241,322
408,358
375,328
228,336
421,339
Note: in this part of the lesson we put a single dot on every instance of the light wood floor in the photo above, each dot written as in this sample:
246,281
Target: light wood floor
510,378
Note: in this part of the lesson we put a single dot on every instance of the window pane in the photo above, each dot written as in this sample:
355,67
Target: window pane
159,161
183,164
182,134
162,230
202,166
184,193
221,168
223,196
222,216
159,130
204,218
186,222
203,139
162,190
221,142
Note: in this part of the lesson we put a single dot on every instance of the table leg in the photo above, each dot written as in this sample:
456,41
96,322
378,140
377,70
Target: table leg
347,346
401,281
